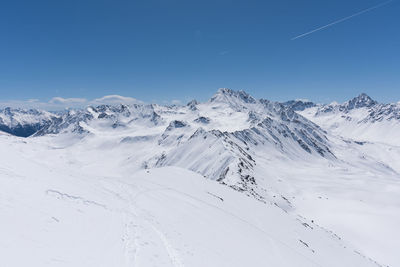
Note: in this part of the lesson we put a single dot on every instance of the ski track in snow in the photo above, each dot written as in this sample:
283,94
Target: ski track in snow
77,199
172,253
136,222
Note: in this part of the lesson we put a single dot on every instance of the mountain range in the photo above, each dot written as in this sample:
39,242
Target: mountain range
324,179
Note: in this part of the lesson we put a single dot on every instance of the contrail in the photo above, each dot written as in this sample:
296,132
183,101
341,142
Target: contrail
341,20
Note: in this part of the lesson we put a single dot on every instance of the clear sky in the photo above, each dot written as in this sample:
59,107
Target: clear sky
164,50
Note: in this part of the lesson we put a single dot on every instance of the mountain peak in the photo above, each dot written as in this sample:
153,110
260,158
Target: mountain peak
361,101
232,96
192,104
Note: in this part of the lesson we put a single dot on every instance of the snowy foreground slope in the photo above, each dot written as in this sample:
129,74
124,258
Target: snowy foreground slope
234,181
160,217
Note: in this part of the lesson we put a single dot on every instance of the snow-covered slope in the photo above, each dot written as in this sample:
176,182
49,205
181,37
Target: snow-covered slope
301,175
57,216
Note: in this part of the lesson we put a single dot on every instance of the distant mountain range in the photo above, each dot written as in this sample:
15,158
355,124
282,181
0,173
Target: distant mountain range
232,122
25,123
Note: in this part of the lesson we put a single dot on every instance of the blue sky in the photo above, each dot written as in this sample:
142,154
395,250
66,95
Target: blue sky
165,50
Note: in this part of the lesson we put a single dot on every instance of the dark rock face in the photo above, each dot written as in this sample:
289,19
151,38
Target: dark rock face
21,130
203,120
298,105
176,124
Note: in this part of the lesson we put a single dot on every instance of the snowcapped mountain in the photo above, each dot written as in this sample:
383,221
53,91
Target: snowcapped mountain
230,122
21,122
101,117
360,118
284,172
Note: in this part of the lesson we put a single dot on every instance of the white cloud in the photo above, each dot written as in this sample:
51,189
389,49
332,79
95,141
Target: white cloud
303,99
176,102
66,101
115,99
